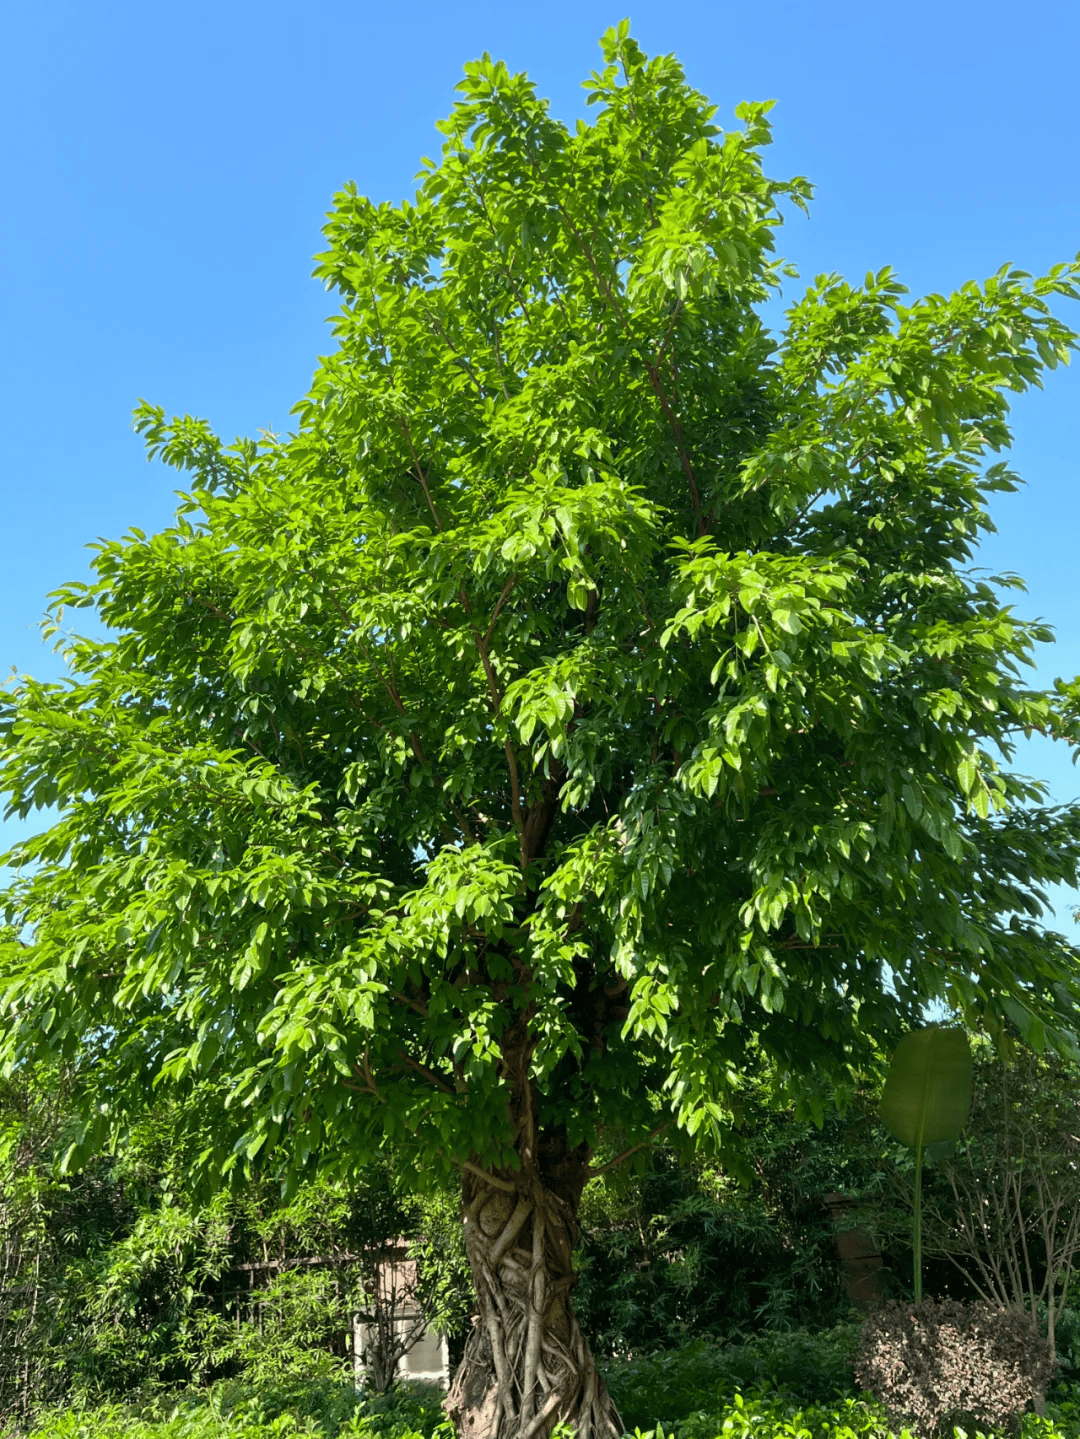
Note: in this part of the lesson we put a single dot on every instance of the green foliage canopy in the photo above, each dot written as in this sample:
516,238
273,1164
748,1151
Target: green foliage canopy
592,671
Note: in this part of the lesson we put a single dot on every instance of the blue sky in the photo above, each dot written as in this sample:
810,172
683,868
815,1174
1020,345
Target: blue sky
166,168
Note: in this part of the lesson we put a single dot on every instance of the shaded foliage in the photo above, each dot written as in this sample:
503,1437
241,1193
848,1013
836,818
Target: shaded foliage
680,1250
122,1283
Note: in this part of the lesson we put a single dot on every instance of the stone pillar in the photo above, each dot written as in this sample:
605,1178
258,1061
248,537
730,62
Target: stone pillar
859,1257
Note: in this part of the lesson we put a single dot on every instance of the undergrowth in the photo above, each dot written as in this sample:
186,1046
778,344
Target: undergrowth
783,1386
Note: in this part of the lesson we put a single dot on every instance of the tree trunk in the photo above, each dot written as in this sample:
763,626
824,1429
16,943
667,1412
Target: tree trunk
526,1365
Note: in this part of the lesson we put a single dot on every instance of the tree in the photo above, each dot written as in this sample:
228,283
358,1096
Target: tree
588,699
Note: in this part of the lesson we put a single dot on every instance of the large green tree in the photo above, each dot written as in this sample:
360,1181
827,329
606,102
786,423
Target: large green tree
588,701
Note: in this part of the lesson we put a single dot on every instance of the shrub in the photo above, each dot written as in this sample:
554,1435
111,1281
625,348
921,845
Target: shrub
942,1360
815,1366
408,1413
233,1410
703,1376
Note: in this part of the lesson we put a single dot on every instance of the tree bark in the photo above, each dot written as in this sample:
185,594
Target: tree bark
527,1366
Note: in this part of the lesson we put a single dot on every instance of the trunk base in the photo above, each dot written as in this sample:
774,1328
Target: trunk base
526,1366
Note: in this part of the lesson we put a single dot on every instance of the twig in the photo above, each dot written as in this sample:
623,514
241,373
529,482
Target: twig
425,1072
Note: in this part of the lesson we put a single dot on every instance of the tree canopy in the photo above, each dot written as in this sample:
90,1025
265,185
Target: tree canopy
590,699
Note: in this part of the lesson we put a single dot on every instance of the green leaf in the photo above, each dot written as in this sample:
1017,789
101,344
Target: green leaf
927,1095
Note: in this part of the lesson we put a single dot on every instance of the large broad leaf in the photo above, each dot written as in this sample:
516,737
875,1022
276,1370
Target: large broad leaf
927,1095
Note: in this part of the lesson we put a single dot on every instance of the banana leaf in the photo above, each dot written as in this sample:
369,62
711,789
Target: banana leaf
926,1102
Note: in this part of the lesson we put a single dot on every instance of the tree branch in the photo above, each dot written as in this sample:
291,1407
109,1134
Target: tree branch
489,1179
593,1173
425,1072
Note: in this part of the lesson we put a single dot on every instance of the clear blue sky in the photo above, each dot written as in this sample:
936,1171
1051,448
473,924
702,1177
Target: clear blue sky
166,168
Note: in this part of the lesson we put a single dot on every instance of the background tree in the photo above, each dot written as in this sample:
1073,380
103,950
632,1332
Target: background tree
587,698
113,1282
674,1251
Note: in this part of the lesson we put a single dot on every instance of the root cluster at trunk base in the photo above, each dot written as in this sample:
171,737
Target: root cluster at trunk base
526,1365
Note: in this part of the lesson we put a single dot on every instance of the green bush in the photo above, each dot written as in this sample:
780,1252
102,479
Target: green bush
233,1410
702,1376
408,1415
774,1416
